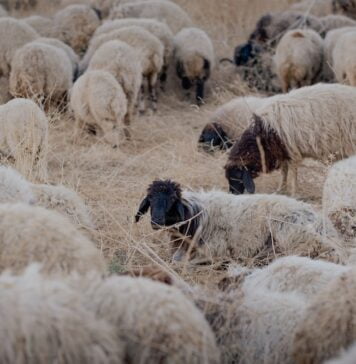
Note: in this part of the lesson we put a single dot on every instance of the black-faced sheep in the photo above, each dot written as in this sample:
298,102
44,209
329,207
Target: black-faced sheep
194,59
254,228
316,122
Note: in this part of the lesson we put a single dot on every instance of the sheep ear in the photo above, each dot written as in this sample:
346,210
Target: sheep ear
180,209
144,206
248,182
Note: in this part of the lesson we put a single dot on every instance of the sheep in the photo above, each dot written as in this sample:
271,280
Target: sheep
272,26
34,234
344,59
19,4
158,29
166,11
347,357
331,22
229,121
75,25
17,35
345,7
41,24
253,229
24,137
328,324
122,61
312,122
73,57
299,58
149,53
45,321
194,58
330,41
42,72
339,201
99,102
318,8
155,321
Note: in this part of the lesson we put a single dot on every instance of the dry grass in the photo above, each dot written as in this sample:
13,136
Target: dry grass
164,145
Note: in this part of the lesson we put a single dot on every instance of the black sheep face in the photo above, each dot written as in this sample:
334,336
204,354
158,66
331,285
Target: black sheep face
213,136
246,53
165,202
239,179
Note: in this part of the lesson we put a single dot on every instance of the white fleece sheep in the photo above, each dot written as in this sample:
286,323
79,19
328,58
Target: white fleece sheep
253,229
33,234
148,47
317,122
24,137
42,72
46,321
17,34
166,11
157,28
194,58
75,25
339,198
98,101
331,22
41,24
299,58
123,62
344,59
329,46
155,322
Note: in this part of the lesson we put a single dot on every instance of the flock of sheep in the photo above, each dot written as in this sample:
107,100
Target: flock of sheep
289,291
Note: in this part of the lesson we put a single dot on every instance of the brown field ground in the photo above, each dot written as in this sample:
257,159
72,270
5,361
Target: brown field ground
163,145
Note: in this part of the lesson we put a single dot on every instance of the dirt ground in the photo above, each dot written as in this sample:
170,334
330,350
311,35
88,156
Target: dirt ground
163,145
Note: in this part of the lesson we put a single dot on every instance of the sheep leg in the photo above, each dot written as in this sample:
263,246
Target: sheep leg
163,77
294,173
282,188
200,92
127,121
142,106
152,92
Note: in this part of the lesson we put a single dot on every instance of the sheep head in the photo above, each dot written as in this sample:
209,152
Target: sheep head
164,199
214,136
246,53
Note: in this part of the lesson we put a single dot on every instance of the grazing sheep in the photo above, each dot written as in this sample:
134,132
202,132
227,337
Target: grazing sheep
345,7
252,229
75,25
155,321
42,72
339,198
344,59
347,357
17,34
24,137
166,11
34,234
149,53
229,121
299,58
194,59
157,28
331,22
316,122
328,324
330,41
272,26
46,321
123,62
99,103
41,24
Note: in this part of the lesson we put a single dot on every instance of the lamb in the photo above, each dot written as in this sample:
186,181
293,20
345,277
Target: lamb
328,325
339,201
312,122
123,62
299,58
166,11
17,35
149,50
229,121
45,321
41,24
24,137
157,28
34,234
75,25
99,102
344,59
217,225
194,59
42,72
